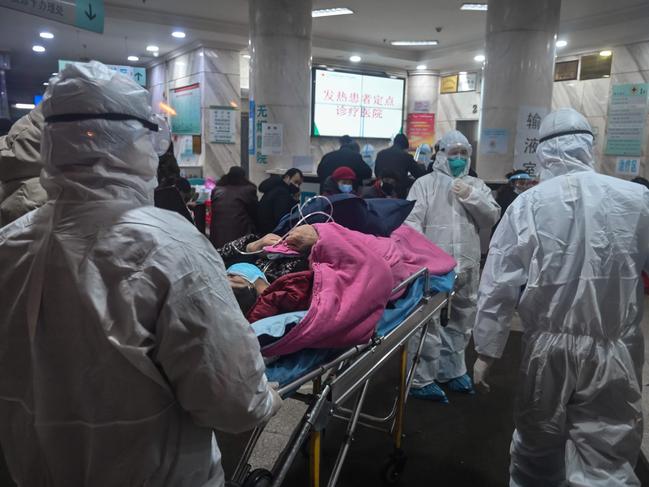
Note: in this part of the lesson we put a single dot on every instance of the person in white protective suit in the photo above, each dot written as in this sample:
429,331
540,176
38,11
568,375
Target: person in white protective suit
121,343
578,242
451,207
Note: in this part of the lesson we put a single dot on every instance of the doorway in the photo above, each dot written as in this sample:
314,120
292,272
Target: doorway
469,129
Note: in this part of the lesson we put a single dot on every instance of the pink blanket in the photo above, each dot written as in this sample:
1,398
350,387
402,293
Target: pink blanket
354,275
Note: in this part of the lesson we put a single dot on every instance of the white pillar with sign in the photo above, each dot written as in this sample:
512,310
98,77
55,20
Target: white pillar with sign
280,84
518,81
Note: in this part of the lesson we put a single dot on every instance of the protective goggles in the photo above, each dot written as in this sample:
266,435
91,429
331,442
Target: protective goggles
160,132
567,132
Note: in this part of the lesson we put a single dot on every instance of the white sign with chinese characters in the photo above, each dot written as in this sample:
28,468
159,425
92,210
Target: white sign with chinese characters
222,125
527,137
627,166
272,139
88,15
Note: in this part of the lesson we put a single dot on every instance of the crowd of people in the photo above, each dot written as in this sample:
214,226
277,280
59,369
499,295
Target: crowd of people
123,337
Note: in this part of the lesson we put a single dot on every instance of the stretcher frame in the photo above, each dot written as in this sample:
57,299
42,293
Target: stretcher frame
335,384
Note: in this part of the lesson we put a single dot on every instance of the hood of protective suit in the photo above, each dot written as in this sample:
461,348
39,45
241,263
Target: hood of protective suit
20,149
451,139
565,144
95,145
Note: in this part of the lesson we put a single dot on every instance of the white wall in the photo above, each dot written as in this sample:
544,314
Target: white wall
217,71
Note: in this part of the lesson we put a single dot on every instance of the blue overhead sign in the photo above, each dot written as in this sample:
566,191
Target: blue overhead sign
84,14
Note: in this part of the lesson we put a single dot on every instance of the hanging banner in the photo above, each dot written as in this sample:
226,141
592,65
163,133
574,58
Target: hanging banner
222,128
627,117
421,129
261,117
186,102
527,137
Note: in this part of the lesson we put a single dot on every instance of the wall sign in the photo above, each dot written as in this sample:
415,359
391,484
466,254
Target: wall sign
186,101
494,141
222,128
527,137
421,129
626,166
449,84
627,117
272,139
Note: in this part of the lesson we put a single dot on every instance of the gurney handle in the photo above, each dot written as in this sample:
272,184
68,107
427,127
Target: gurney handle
413,278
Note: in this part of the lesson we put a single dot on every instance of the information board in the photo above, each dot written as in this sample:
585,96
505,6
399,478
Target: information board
186,102
627,118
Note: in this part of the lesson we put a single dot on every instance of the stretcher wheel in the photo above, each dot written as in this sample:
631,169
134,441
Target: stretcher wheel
443,317
394,468
259,477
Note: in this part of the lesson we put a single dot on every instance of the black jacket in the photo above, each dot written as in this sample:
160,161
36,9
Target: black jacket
401,163
343,158
234,211
276,202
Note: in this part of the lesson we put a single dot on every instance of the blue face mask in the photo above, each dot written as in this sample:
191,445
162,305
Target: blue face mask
345,188
248,271
457,165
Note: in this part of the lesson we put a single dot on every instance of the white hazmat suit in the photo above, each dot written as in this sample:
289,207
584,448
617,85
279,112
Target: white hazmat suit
578,242
121,343
452,221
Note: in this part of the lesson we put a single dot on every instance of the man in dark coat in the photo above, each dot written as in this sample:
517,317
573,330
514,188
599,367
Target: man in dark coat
280,195
349,155
397,160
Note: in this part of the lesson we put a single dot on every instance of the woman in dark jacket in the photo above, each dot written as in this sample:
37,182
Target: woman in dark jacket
234,208
281,194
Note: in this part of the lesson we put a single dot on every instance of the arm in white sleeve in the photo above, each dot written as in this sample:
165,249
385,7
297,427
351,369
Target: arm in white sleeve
481,205
417,217
505,272
208,350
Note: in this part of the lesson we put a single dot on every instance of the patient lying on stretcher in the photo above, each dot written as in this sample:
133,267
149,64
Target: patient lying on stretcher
347,287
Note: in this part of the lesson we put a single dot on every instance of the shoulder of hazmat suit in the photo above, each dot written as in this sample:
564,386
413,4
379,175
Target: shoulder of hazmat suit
20,167
125,342
578,242
452,223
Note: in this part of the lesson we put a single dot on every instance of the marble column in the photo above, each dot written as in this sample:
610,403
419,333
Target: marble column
280,79
423,91
518,79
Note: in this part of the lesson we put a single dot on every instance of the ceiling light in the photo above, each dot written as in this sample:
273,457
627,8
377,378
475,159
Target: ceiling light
562,43
463,73
482,7
479,58
355,59
178,34
133,58
246,56
38,48
46,35
24,106
421,67
328,12
414,43
46,84
155,54
55,74
152,48
605,53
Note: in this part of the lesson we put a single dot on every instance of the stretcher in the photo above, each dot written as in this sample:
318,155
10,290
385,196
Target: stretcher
340,385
